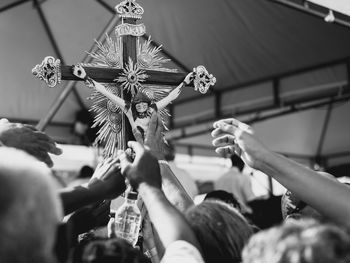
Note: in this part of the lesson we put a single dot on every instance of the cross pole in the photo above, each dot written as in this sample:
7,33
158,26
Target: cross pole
52,72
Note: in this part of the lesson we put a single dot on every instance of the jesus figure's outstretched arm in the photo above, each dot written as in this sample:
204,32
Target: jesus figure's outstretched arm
79,71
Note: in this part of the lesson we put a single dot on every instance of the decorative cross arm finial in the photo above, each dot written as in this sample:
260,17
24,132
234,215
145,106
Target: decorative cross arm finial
202,80
129,9
49,71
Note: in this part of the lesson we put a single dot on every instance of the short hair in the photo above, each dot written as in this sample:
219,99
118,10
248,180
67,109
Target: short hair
237,162
29,209
86,172
226,197
299,241
220,229
104,250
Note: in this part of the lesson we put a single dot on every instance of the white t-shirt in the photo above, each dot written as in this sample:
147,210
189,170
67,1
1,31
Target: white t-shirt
182,251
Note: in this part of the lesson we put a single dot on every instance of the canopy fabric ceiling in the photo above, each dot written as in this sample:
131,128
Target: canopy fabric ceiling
246,44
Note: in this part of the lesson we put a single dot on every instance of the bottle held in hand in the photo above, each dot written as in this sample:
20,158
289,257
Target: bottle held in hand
128,219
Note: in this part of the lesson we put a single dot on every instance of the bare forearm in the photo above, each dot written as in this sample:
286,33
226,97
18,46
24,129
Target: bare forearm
173,189
324,194
168,221
77,197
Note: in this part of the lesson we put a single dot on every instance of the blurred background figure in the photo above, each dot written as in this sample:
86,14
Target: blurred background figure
182,175
236,182
299,241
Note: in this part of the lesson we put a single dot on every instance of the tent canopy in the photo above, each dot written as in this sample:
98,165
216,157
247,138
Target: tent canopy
273,66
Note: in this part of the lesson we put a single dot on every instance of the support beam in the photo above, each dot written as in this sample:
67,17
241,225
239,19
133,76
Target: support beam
265,79
291,109
324,130
12,5
276,92
305,9
217,105
55,46
70,85
33,122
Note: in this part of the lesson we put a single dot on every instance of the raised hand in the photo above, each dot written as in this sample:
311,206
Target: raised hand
108,175
144,168
28,139
154,138
234,137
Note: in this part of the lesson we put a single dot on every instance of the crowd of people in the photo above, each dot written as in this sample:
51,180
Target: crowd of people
43,222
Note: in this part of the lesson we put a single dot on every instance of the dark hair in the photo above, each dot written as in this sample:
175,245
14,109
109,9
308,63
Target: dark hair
221,231
104,250
299,241
225,197
86,172
237,162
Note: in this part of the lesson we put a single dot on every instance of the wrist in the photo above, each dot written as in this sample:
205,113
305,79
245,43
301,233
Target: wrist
145,189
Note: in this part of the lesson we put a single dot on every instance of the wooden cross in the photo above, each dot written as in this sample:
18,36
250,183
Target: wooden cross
52,72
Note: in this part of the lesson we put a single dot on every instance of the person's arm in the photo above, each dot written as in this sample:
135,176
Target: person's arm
172,188
329,197
109,184
144,175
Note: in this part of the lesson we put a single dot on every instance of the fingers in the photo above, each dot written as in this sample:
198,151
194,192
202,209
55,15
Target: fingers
30,127
234,122
223,129
159,124
224,140
228,150
137,134
153,124
40,155
137,147
4,121
46,142
125,163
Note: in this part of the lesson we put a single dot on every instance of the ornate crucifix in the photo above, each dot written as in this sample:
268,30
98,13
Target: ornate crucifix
125,72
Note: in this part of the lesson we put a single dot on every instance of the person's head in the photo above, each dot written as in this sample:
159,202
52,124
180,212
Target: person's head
225,197
220,229
299,241
103,250
29,209
86,172
293,207
141,102
237,162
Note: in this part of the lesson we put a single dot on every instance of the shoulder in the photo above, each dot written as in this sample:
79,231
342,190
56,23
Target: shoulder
182,251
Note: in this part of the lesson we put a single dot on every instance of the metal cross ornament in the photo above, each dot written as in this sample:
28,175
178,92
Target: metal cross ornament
128,78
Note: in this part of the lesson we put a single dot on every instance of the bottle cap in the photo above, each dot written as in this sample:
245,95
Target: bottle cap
132,195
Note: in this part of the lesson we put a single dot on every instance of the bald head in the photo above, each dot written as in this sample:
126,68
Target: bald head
29,208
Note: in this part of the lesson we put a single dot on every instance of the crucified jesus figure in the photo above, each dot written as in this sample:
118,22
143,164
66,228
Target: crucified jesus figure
140,108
